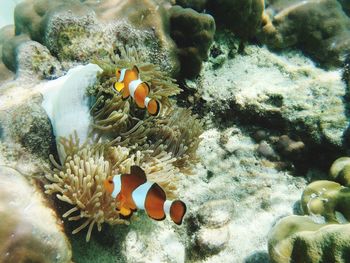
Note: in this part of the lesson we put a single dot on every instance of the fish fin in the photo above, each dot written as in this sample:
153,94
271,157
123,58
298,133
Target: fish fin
125,211
119,86
136,69
153,107
148,88
137,170
177,211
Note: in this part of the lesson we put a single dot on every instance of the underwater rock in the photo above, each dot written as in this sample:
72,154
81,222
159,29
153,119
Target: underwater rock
147,23
326,37
243,17
285,92
9,51
35,17
266,150
215,213
346,6
300,239
6,33
213,232
193,33
340,171
75,31
290,148
198,5
34,59
28,125
29,231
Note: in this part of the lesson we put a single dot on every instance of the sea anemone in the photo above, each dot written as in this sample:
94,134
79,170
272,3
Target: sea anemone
79,180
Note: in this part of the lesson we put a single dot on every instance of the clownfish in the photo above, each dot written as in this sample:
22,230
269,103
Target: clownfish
130,84
133,191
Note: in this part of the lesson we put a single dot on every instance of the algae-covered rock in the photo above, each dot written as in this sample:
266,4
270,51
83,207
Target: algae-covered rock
299,239
193,33
75,31
28,125
282,91
243,17
9,50
319,28
29,230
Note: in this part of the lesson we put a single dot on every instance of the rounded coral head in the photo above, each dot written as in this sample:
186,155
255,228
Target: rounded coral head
109,185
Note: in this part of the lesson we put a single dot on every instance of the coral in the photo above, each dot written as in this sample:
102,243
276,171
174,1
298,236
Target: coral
346,6
319,28
9,48
193,33
6,33
340,171
284,91
198,5
244,18
29,230
79,180
300,239
151,19
327,199
75,31
247,15
29,125
323,236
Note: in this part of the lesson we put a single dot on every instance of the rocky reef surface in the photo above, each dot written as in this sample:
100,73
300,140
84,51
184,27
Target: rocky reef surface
247,144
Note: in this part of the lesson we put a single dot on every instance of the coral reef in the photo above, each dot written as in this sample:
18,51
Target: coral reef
325,38
29,230
62,26
300,100
193,33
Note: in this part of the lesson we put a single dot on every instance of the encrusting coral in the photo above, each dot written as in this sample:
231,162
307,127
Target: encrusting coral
122,135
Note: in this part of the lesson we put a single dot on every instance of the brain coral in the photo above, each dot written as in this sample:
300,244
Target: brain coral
323,236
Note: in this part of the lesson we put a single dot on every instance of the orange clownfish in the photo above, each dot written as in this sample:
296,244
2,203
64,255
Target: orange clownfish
133,192
130,84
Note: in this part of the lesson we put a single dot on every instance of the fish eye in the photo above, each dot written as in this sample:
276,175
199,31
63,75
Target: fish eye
110,181
119,71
